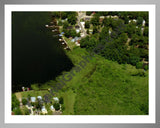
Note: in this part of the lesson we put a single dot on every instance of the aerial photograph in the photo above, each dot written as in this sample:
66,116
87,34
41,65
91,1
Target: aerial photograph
80,63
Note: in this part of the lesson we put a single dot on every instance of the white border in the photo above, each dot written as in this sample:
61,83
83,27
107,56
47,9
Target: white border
79,119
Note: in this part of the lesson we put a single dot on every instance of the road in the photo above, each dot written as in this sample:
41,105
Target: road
81,15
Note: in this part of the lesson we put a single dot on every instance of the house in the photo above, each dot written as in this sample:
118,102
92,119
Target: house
70,27
62,33
90,31
77,27
39,97
87,19
77,30
52,108
76,38
56,99
143,23
44,111
73,40
46,25
109,32
33,99
134,20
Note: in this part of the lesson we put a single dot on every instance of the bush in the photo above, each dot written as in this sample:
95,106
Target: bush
56,106
15,102
60,23
61,100
18,111
35,86
63,107
146,67
139,65
24,101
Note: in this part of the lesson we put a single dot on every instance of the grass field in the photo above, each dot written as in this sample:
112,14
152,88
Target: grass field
102,87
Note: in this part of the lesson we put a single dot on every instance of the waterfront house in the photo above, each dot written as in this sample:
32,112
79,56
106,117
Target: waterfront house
33,99
39,97
56,99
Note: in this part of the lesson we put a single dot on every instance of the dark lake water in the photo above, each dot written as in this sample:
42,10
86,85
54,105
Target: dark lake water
37,56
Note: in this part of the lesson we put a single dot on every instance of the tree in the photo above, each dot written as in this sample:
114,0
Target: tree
146,67
88,13
38,104
63,15
65,25
15,102
139,65
60,23
56,106
104,33
87,31
84,42
78,34
61,100
18,111
145,33
72,19
95,20
87,24
123,38
133,59
72,32
139,20
63,107
95,30
24,101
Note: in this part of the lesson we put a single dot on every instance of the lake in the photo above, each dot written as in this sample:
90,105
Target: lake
37,55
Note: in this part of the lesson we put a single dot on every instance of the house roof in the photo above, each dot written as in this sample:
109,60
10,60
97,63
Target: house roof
33,99
51,107
77,26
43,108
56,99
70,27
39,97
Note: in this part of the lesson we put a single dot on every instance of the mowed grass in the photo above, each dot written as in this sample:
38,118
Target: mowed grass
69,99
34,93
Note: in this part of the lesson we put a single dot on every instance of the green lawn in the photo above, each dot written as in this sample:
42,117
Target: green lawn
33,93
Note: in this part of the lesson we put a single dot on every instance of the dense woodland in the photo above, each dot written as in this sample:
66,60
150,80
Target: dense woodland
117,48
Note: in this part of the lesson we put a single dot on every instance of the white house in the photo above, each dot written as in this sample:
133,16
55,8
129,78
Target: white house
52,108
56,99
143,23
44,111
33,99
39,97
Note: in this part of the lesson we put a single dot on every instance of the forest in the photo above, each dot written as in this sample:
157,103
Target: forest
127,41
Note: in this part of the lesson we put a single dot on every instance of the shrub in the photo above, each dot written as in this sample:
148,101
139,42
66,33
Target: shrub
61,100
56,106
139,65
146,67
17,111
15,102
24,101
